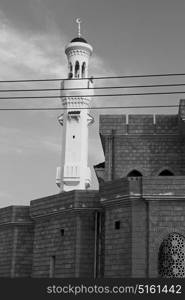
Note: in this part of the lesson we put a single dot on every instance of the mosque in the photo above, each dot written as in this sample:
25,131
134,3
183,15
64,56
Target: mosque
134,225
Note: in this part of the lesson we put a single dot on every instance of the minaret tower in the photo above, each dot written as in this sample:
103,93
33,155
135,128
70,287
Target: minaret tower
76,92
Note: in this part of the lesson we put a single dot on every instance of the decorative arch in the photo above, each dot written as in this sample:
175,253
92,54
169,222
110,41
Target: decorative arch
77,69
83,69
171,256
164,168
166,172
70,75
134,173
70,67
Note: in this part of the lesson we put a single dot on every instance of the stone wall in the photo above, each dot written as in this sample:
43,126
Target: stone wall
6,244
65,233
147,214
118,239
145,143
16,247
165,217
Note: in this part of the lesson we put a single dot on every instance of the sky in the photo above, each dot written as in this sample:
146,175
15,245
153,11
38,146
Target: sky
128,37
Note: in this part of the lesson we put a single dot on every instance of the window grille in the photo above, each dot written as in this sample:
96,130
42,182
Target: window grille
172,257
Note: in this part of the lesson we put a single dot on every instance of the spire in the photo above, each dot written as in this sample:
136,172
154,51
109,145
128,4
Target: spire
78,21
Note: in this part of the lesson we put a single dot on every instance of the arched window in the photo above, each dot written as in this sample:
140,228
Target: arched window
77,69
83,69
134,173
166,172
171,257
70,75
70,67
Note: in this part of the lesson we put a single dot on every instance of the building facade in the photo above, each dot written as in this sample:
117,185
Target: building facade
133,226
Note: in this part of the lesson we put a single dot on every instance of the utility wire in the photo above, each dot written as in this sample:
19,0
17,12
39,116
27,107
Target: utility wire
89,96
97,77
94,88
100,107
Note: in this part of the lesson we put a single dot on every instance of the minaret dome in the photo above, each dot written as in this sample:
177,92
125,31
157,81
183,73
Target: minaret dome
78,52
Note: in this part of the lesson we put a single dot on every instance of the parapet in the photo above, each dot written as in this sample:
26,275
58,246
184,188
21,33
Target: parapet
15,214
62,202
150,187
138,124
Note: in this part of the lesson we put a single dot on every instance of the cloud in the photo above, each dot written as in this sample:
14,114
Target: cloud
37,55
98,67
20,142
51,145
30,55
33,55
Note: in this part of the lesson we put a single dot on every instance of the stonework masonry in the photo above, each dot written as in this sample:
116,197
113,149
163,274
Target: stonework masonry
64,229
119,230
16,234
146,143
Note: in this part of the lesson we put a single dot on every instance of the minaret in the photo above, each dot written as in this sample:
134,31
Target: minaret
76,92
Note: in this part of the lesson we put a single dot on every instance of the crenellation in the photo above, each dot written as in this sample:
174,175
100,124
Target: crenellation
139,124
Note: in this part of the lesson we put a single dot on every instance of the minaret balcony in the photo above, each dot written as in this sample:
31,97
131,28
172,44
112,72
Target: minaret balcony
76,103
77,88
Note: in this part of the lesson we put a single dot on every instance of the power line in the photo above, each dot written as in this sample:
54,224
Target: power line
97,77
89,96
94,88
96,108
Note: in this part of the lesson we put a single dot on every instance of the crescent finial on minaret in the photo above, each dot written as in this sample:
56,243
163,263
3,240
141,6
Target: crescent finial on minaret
78,21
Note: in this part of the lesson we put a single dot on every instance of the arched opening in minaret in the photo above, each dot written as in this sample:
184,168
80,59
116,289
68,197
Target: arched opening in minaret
70,75
77,69
83,70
